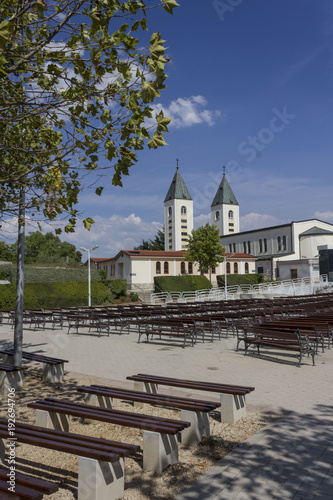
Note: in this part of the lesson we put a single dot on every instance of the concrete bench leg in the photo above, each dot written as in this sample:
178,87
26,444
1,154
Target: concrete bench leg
52,420
11,380
8,359
191,436
144,387
233,408
159,450
101,401
53,373
99,480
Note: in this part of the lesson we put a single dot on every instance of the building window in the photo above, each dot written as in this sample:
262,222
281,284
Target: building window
184,239
158,267
182,268
249,247
244,246
230,247
260,270
213,270
235,268
190,268
279,246
183,220
217,215
170,211
246,268
260,246
265,245
228,267
234,247
231,214
184,227
284,243
231,224
166,267
183,210
184,234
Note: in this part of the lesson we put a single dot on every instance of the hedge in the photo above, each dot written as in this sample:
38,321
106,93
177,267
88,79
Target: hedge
34,274
57,294
186,283
240,279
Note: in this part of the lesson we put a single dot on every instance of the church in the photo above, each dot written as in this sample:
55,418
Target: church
286,251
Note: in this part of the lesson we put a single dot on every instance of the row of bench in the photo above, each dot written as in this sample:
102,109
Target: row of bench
102,461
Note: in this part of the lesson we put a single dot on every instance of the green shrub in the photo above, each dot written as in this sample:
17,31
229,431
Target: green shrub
117,287
240,279
134,296
57,294
48,274
181,283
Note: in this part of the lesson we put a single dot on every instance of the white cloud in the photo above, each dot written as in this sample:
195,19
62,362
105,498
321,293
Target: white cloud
256,221
201,220
188,111
325,216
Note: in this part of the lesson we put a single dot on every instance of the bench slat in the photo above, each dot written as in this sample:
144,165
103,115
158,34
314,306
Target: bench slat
40,484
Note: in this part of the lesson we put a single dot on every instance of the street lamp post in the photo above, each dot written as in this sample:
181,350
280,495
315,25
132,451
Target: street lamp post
89,278
225,273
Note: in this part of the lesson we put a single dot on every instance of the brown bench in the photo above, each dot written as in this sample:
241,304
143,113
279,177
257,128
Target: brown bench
11,377
24,487
162,327
53,370
101,462
278,340
90,323
195,411
160,436
232,397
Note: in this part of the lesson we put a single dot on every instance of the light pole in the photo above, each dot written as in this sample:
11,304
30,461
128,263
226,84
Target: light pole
225,273
89,279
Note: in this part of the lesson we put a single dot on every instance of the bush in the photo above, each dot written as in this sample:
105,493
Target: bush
240,279
185,283
134,296
117,287
53,295
47,274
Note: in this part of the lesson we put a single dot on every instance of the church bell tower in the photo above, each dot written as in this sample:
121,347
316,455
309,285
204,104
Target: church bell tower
225,209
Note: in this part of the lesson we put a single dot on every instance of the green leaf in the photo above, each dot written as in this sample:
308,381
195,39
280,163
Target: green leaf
169,5
88,223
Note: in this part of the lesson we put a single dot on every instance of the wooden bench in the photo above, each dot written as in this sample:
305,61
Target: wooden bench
11,377
53,370
24,487
195,411
232,397
160,435
162,327
101,462
279,340
90,323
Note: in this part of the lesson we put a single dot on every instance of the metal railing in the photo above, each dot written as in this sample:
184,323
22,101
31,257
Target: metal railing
299,286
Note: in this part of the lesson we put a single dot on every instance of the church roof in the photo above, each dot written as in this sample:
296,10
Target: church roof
178,189
316,230
224,194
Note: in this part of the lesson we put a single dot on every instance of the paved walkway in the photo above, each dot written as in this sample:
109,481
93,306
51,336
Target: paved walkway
291,458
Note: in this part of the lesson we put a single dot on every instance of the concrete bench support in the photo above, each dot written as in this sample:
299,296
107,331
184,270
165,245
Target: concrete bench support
52,420
11,380
198,429
99,480
53,373
144,387
159,450
96,400
233,408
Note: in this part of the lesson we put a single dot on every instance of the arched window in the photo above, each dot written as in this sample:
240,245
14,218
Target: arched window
244,246
279,247
170,211
265,245
183,210
235,268
166,267
246,268
230,214
158,267
217,215
234,247
260,246
228,267
249,247
190,268
284,243
230,247
182,268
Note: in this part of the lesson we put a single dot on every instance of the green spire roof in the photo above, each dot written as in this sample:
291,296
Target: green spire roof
224,194
178,189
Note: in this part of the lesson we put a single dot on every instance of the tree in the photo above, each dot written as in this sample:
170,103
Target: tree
47,248
76,88
156,244
204,248
6,252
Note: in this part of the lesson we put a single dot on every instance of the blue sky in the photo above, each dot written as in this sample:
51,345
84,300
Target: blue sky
249,87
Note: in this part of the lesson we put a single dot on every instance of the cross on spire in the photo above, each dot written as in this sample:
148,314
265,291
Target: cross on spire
177,162
223,170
